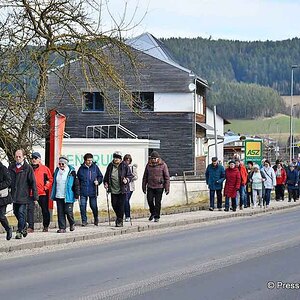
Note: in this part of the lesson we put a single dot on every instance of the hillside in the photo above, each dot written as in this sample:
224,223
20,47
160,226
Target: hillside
276,127
265,63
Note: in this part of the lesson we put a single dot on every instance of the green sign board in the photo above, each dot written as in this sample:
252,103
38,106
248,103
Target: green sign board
253,151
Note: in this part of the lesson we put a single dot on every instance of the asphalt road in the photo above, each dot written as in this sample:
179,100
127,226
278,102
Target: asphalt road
232,260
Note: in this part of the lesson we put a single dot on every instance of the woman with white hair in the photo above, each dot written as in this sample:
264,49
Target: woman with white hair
257,178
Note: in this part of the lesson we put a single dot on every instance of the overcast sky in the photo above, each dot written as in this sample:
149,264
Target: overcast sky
228,19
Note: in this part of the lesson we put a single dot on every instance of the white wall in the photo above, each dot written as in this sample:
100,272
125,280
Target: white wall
220,132
173,102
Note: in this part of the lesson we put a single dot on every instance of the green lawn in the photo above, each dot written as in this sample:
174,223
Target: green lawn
277,126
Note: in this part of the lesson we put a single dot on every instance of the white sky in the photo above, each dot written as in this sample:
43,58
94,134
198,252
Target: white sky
227,19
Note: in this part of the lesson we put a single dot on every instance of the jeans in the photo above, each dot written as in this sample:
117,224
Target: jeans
267,196
292,194
44,204
154,197
127,204
63,210
3,219
242,196
93,206
20,213
117,202
212,198
233,203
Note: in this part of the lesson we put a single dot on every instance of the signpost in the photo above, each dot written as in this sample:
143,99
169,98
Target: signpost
253,151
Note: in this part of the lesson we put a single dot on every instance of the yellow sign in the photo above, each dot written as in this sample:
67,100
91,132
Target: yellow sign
253,149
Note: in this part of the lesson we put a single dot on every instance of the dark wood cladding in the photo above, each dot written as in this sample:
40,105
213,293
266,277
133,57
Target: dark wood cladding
176,131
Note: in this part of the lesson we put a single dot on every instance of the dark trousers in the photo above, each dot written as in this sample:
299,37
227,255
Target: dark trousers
93,206
154,197
20,213
212,198
117,202
233,203
44,204
279,192
292,194
3,219
30,213
127,204
267,196
63,210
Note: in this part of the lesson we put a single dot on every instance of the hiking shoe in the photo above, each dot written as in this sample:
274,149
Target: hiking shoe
84,224
9,234
61,231
72,227
156,220
220,209
30,230
18,235
211,209
151,218
127,220
24,232
119,224
45,229
96,222
226,209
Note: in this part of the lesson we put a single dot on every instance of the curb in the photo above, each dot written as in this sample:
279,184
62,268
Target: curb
133,229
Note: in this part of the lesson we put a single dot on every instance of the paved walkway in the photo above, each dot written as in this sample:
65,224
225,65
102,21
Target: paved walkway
40,239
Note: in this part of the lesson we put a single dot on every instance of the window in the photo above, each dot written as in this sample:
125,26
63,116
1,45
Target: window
143,101
93,101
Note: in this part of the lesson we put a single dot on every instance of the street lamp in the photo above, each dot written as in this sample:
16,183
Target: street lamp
291,116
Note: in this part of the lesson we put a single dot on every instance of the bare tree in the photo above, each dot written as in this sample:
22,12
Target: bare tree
39,36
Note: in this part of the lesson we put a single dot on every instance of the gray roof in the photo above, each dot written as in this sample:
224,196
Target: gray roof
150,45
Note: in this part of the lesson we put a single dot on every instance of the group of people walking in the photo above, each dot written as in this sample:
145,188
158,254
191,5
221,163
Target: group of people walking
251,185
24,184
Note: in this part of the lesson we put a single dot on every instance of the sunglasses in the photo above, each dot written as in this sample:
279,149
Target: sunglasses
61,164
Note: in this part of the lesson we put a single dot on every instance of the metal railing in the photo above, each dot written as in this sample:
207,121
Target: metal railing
109,131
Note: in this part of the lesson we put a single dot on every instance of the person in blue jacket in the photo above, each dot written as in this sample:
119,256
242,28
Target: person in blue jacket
65,191
215,175
292,182
90,177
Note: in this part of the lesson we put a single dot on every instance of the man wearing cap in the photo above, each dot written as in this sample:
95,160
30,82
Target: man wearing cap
215,175
90,177
22,185
65,191
156,180
116,181
44,179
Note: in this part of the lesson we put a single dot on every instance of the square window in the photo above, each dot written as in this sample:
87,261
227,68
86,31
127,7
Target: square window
143,101
93,101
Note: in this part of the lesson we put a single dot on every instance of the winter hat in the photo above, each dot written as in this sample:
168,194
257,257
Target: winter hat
63,159
154,154
231,162
35,154
117,154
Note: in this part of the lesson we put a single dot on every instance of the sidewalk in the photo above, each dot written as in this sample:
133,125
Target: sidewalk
40,239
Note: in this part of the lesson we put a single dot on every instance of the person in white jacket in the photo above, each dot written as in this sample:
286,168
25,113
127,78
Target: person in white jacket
270,181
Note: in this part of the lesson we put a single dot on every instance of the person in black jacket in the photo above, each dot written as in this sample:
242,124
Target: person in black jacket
22,184
5,198
116,181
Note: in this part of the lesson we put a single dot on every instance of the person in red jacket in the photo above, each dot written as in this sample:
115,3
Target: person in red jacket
244,177
44,179
232,185
280,182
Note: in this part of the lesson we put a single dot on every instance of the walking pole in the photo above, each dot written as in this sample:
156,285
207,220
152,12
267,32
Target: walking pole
108,207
